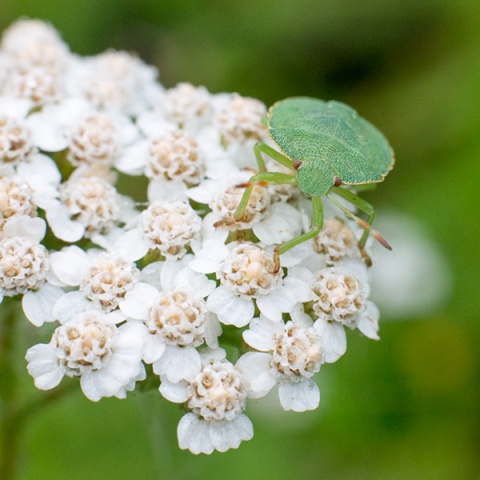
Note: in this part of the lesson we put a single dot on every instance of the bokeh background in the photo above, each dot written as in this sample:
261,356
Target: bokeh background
406,407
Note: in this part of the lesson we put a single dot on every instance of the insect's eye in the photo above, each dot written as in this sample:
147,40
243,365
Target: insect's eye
297,164
336,181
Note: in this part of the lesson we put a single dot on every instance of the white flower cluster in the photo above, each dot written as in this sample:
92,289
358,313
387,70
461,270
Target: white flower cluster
152,283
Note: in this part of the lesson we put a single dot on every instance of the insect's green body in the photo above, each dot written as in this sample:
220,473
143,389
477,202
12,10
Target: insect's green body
327,144
331,140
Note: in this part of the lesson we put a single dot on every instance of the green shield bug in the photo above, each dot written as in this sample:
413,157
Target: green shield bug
326,144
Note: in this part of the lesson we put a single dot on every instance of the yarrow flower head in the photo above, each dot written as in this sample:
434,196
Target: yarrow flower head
102,280
87,206
187,106
176,317
117,81
147,225
295,353
170,227
249,278
107,358
31,41
176,156
216,397
15,141
25,267
336,241
338,296
24,264
16,198
94,139
240,119
225,203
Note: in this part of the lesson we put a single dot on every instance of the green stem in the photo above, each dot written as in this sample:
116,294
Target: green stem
9,438
16,413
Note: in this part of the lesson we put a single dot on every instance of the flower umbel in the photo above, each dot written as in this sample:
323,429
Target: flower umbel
124,222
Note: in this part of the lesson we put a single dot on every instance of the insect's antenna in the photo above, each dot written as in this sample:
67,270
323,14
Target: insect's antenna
374,233
362,223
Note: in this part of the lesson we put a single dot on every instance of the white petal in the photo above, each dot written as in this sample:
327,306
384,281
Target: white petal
91,388
368,323
69,305
38,305
178,363
193,434
128,209
52,279
15,107
299,316
174,392
25,226
299,287
295,255
115,317
154,348
7,170
231,310
282,223
312,261
40,172
43,366
210,232
70,265
204,192
131,246
256,371
303,273
138,301
209,259
194,283
227,434
333,337
130,386
168,273
133,159
108,239
213,330
299,396
63,227
161,189
261,334
151,275
211,355
152,124
47,135
276,302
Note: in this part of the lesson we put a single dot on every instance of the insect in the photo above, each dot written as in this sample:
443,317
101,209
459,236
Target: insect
326,144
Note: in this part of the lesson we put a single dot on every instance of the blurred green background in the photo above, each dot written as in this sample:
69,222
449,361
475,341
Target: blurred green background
406,407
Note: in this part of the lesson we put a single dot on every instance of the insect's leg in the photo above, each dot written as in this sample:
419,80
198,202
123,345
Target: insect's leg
272,177
262,177
364,206
317,222
273,154
257,149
